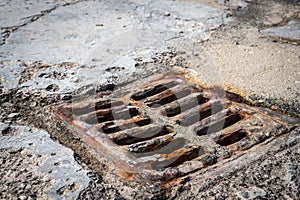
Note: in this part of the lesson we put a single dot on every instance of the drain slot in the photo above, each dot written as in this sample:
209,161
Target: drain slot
232,138
176,158
216,126
201,112
96,106
100,116
152,91
107,104
150,145
112,127
168,96
183,105
168,148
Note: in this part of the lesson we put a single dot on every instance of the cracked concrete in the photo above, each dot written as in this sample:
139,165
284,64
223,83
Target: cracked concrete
16,14
58,50
122,22
19,13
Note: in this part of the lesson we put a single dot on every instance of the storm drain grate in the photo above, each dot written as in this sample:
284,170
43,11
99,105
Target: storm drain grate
168,128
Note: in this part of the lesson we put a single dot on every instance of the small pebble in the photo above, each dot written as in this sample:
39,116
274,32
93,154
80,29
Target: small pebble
13,115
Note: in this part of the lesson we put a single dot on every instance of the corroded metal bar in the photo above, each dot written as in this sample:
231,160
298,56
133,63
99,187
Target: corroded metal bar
183,104
232,137
174,145
138,134
200,112
198,163
150,145
84,109
218,124
119,125
176,158
123,112
152,90
169,95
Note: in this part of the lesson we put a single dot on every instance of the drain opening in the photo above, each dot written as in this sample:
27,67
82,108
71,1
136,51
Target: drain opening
154,144
152,90
167,148
232,138
96,106
195,117
183,105
168,96
100,116
112,127
200,112
214,127
176,158
108,104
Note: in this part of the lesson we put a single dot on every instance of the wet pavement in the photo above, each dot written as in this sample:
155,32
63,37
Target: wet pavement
59,51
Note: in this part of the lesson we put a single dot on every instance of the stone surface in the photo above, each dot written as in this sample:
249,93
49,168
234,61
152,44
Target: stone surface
234,3
50,168
289,32
102,35
8,74
114,27
16,13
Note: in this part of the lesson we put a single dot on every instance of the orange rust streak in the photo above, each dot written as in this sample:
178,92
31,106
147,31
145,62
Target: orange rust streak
65,113
126,175
163,95
136,119
134,102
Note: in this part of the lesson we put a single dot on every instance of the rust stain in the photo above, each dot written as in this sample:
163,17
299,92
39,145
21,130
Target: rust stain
162,144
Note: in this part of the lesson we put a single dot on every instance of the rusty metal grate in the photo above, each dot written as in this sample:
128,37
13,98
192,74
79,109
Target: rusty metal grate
168,128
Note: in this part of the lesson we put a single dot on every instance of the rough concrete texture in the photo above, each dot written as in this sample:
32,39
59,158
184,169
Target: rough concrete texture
123,25
103,35
274,176
48,168
251,62
57,51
